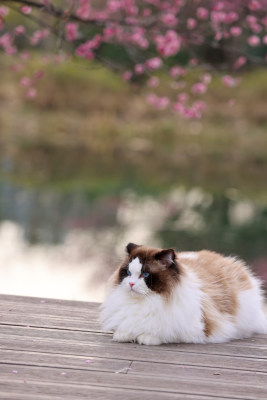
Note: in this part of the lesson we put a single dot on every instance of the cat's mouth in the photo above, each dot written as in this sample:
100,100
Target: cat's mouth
136,292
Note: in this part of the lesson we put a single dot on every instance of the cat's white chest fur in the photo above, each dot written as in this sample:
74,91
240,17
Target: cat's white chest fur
153,320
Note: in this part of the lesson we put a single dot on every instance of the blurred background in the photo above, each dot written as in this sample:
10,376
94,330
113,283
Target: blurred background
88,166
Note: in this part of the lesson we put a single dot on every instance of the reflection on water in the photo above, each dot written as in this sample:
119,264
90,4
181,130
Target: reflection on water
65,245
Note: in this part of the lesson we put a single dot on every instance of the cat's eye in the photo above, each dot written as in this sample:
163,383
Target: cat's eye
145,274
128,272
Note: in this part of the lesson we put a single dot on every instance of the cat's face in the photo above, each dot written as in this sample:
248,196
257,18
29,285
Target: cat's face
147,270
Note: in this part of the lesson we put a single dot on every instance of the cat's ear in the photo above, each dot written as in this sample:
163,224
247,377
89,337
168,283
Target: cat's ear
130,247
166,257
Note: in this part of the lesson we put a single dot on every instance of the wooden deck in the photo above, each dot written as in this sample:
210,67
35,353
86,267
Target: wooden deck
52,349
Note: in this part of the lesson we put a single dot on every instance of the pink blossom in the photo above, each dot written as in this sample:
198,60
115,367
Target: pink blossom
191,23
264,39
217,17
159,102
169,19
85,50
169,44
191,113
130,7
139,69
146,12
193,62
256,28
219,5
202,13
71,31
251,19
127,75
1,24
151,99
254,5
206,78
38,74
231,17
26,10
114,5
182,97
4,11
218,36
253,40
178,107
240,62
162,102
110,31
84,9
177,71
138,38
153,81
39,35
235,31
25,81
6,41
229,81
11,50
199,88
154,63
19,30
31,93
199,105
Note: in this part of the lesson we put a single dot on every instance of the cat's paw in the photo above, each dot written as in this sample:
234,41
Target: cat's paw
120,336
148,340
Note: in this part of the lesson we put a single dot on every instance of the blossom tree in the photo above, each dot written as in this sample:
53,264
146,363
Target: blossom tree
143,40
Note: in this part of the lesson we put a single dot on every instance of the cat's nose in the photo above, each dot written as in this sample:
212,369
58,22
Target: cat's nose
131,284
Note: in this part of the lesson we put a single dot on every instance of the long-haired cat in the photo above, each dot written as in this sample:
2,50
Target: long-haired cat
160,296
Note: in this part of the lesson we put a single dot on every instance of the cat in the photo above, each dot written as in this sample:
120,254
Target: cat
160,296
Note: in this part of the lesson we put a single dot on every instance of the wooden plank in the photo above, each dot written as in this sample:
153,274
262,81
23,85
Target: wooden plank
132,352
122,366
56,302
212,374
50,309
134,382
238,350
87,324
64,361
57,391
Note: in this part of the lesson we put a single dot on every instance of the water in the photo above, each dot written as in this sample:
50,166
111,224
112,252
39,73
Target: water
66,243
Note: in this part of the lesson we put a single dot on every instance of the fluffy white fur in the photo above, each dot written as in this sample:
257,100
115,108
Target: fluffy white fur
139,314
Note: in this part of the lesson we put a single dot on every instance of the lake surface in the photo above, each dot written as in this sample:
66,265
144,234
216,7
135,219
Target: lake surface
65,243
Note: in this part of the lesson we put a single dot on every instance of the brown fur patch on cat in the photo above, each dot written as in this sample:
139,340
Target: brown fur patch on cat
222,279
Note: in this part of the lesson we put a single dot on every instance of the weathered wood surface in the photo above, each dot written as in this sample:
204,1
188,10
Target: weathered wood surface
53,349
